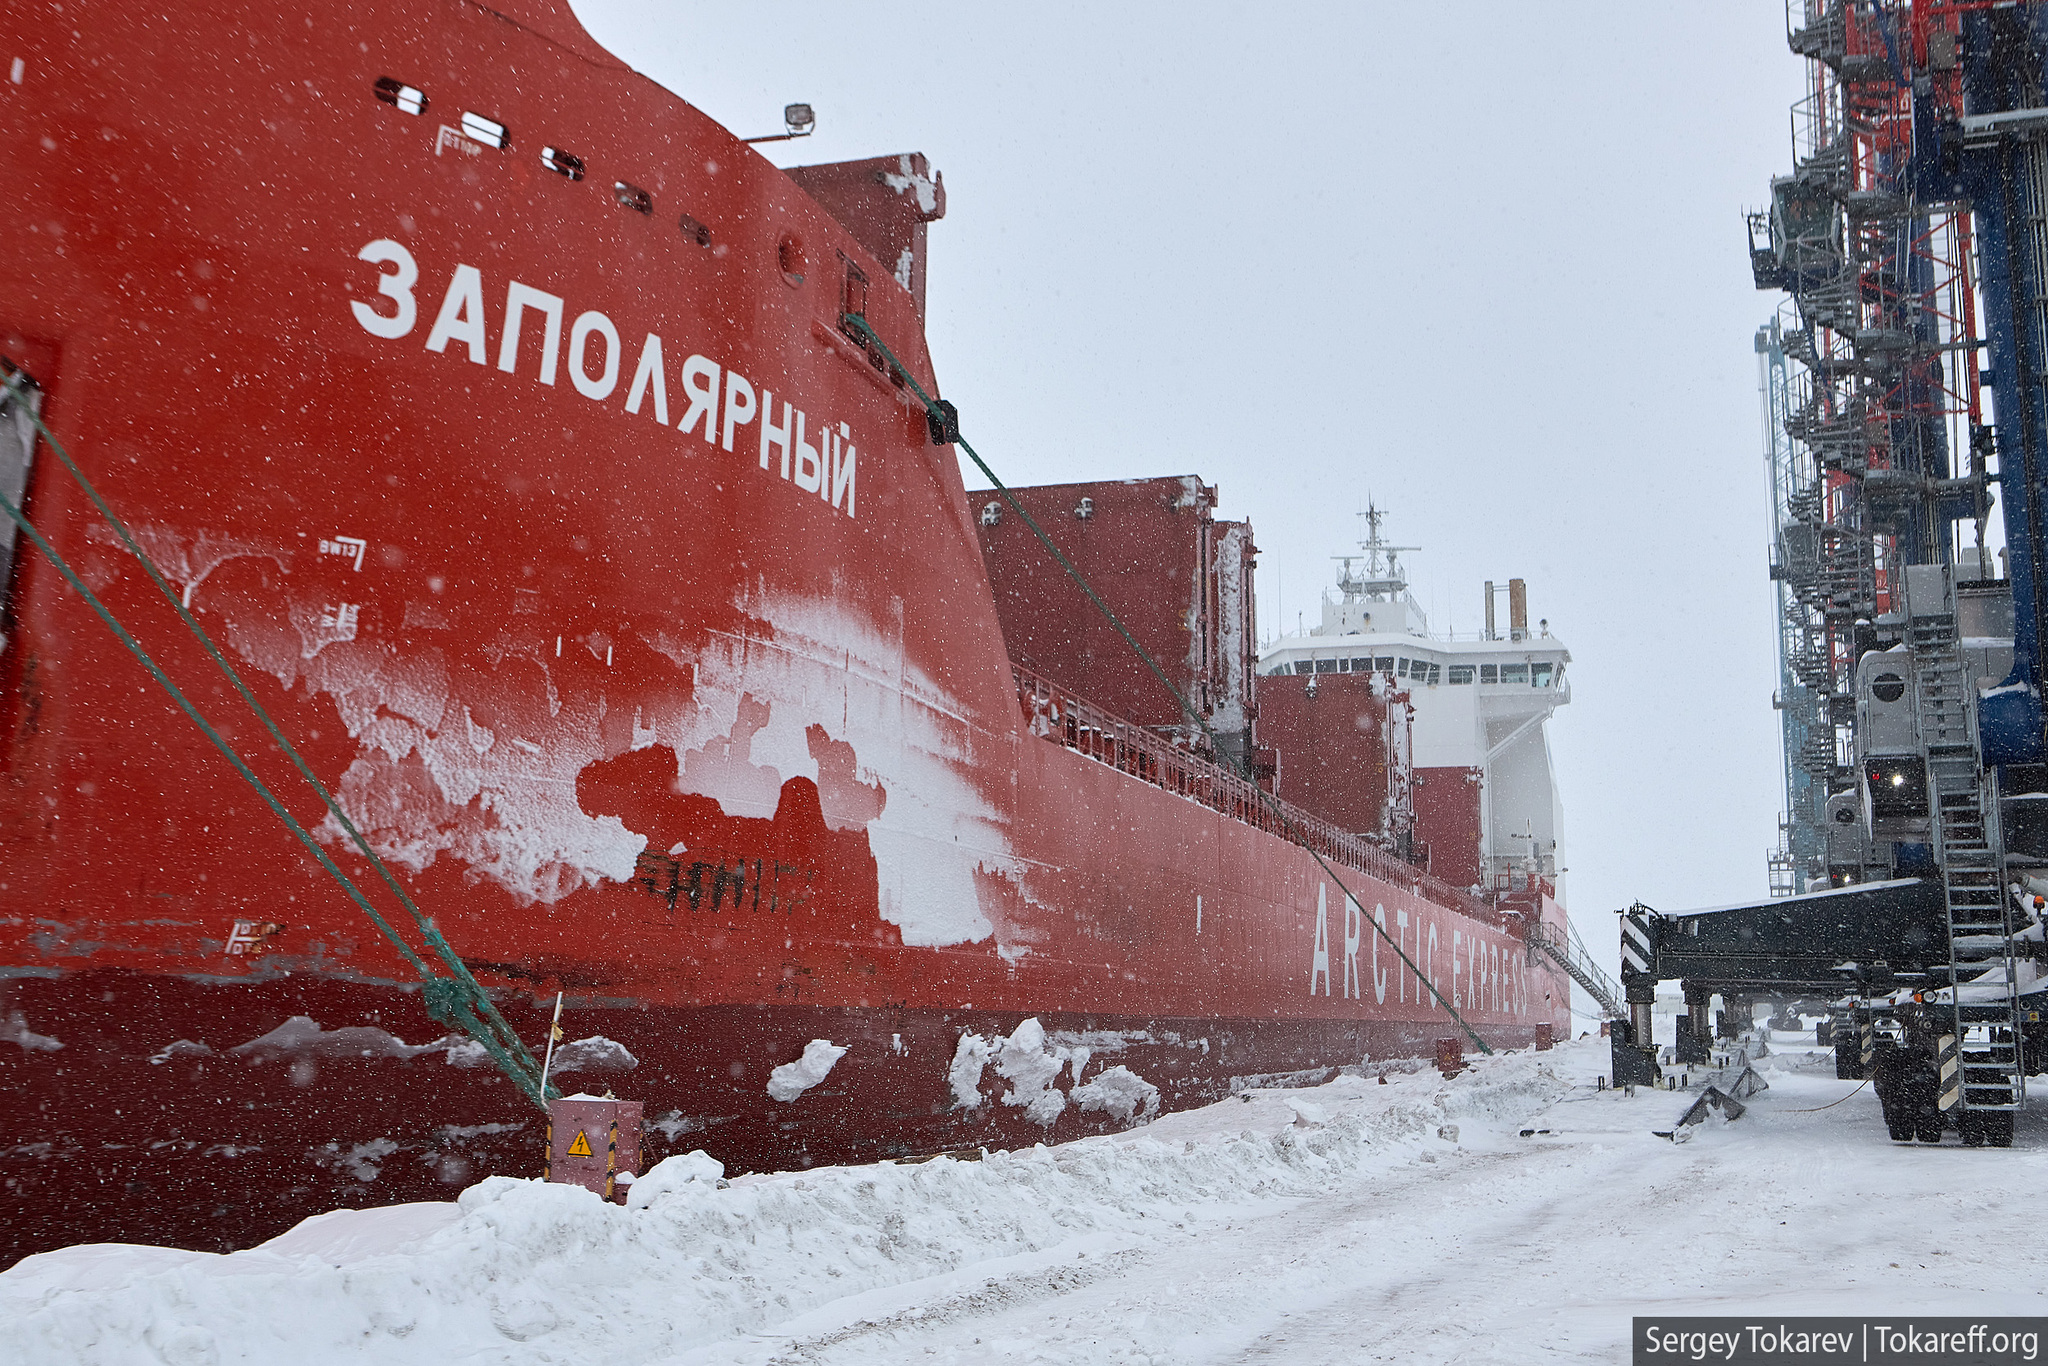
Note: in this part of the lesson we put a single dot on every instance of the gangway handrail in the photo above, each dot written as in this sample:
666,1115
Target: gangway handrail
1571,954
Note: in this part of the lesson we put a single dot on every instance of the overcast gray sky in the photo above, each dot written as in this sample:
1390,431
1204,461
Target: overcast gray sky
1482,263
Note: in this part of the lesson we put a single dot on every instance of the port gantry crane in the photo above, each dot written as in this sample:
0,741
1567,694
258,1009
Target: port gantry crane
1903,394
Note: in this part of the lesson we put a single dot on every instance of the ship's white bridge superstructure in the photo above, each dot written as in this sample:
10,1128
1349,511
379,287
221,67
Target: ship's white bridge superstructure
1480,703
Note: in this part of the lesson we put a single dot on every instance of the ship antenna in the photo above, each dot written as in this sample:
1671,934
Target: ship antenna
1382,577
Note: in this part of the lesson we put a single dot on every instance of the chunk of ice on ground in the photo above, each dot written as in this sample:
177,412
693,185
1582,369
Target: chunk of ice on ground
672,1174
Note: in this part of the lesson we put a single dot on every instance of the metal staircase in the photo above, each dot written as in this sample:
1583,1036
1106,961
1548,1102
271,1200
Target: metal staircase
1985,1019
1570,954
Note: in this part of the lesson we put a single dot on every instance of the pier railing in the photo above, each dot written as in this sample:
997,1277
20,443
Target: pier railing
1056,714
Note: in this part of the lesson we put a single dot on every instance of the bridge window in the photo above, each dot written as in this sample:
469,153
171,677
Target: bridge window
1514,673
1489,673
1461,673
1539,675
1383,663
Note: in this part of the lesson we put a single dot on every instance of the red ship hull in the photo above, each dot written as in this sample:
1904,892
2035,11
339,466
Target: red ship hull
627,608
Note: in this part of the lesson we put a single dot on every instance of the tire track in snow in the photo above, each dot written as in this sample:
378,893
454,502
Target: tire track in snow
1516,1250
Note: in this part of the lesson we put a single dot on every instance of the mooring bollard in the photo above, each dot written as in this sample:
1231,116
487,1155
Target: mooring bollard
594,1142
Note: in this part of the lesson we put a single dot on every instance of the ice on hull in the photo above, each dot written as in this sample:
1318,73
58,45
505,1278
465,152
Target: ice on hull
222,1148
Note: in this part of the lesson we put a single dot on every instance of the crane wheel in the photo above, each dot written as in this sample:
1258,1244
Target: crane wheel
1986,1127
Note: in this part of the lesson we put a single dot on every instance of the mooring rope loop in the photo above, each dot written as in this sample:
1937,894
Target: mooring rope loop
457,1000
943,421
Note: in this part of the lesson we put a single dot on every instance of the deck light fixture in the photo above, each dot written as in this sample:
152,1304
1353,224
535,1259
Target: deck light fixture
798,121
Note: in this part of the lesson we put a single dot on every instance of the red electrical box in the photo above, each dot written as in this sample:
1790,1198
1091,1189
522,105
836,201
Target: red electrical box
1450,1056
1545,1036
591,1141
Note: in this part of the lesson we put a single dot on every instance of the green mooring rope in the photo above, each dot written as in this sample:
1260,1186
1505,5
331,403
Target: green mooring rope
458,1000
944,422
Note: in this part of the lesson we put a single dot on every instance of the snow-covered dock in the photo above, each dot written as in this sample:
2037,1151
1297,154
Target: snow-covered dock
1357,1221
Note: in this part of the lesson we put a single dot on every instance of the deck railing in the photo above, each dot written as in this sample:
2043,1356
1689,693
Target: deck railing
1056,714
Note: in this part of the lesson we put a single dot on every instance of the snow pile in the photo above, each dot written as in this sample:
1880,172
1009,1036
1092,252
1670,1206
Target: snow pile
346,1235
792,1079
673,1175
1308,1114
522,1270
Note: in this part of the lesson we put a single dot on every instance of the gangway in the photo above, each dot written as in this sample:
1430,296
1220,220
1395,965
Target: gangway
1569,952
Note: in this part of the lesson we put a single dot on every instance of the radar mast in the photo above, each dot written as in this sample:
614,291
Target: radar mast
1382,578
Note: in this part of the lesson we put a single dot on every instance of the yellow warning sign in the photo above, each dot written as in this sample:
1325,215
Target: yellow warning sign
581,1147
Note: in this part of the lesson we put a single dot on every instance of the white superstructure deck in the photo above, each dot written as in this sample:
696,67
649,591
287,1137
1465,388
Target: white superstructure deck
1480,703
